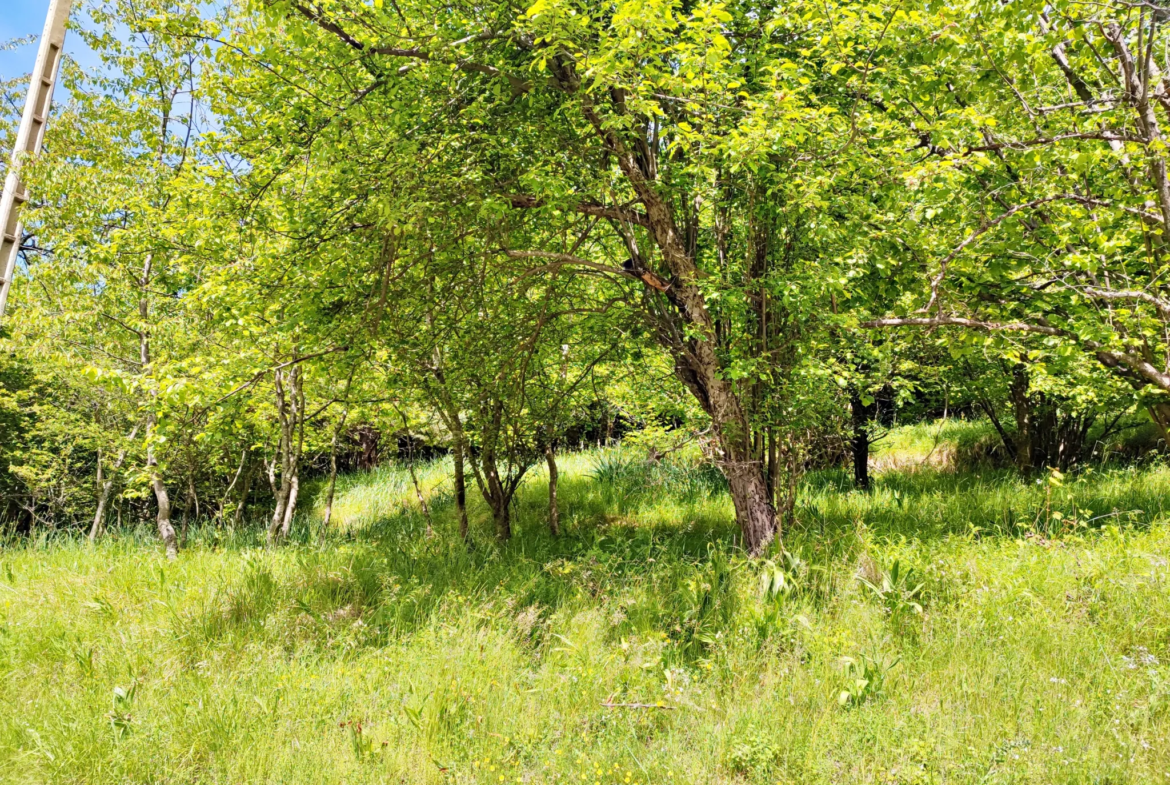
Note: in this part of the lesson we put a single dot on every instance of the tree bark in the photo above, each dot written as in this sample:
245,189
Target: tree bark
861,415
245,491
231,486
753,509
103,496
1023,411
461,488
290,408
192,497
332,479
554,524
498,499
166,531
693,346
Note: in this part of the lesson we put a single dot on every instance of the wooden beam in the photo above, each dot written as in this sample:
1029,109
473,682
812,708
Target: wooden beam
29,138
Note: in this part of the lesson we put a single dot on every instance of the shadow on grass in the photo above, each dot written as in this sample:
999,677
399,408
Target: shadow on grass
642,543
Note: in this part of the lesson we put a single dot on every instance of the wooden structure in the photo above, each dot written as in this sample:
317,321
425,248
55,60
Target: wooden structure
28,140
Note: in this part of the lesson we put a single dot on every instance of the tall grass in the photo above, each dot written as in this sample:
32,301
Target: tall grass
639,646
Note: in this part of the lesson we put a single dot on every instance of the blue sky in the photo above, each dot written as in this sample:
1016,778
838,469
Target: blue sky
19,18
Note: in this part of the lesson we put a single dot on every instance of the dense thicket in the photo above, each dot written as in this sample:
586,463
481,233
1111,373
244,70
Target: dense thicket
267,237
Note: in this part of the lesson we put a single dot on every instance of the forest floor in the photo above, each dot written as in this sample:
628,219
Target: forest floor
639,647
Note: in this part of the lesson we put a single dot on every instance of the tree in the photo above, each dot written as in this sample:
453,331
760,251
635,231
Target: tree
1040,193
682,147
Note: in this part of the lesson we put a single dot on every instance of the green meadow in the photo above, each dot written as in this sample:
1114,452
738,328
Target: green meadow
946,627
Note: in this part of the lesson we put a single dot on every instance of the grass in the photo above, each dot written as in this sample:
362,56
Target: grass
1028,643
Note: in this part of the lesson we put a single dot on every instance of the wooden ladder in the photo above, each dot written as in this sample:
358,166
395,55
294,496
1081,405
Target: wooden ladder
28,140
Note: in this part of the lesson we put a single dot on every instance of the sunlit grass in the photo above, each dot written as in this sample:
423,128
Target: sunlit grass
635,648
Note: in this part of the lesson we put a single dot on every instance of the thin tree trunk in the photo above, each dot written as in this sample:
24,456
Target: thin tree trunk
290,507
773,468
332,473
245,491
231,486
103,496
554,524
1160,415
166,531
294,462
192,496
283,452
461,488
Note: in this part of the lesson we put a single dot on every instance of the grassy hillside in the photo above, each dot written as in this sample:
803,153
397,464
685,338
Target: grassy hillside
1030,644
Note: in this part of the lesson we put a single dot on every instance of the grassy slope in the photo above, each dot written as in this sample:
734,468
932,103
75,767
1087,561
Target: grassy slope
1042,654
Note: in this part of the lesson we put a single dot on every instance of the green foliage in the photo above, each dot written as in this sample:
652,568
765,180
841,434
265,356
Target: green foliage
865,679
897,590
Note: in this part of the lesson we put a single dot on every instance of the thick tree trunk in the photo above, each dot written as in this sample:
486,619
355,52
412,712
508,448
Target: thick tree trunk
692,342
498,499
744,469
861,415
1023,411
753,510
502,517
554,523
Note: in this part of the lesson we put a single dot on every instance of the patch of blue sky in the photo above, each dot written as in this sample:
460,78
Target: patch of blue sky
21,19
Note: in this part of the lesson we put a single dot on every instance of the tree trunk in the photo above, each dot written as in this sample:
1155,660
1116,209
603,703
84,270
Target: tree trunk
192,496
1160,415
693,342
290,409
498,499
166,531
461,489
245,491
231,486
753,510
282,495
332,480
502,517
104,486
861,415
290,507
1023,412
554,523
744,470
